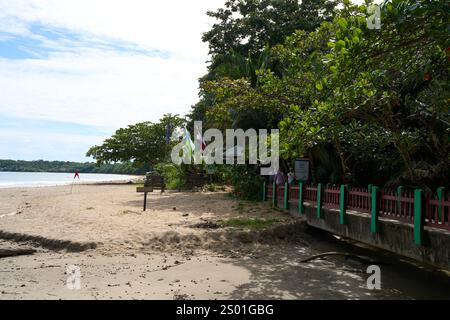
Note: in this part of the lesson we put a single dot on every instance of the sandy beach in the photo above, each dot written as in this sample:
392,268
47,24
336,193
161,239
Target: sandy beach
180,248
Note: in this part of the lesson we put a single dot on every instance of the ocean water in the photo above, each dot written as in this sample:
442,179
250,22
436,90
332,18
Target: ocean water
43,179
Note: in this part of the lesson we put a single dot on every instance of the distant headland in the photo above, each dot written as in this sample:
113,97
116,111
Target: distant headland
67,166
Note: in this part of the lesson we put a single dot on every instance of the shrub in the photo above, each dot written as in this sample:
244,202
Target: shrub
173,175
246,182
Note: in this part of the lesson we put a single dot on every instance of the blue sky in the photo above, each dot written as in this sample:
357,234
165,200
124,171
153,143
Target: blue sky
48,126
33,139
74,71
45,41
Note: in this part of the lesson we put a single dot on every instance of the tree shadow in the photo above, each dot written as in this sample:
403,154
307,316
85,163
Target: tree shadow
277,273
275,268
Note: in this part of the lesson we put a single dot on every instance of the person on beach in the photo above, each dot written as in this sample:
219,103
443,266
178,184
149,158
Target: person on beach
77,174
291,177
280,178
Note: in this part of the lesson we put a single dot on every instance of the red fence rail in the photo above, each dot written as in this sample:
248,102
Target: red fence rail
437,212
280,192
359,199
331,197
391,204
269,192
310,193
293,193
397,206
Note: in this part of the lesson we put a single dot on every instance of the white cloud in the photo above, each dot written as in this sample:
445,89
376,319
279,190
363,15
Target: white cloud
97,89
104,87
97,85
31,145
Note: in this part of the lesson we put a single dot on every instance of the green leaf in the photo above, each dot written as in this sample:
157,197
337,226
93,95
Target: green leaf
340,43
343,23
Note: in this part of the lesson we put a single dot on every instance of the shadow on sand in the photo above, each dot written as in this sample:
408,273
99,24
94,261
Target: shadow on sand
273,257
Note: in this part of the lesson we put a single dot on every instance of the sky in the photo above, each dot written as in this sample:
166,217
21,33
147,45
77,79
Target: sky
74,71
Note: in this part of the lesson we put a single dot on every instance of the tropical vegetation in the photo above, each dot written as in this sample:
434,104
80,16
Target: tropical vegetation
365,105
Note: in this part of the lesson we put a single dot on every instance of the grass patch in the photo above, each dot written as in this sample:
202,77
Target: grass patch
247,223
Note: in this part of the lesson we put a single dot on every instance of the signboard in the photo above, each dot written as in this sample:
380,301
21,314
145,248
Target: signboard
302,170
144,189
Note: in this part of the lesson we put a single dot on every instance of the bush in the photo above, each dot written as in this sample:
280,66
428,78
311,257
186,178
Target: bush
246,182
173,175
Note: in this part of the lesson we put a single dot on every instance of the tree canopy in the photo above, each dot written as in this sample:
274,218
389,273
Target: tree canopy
367,106
144,144
364,105
246,27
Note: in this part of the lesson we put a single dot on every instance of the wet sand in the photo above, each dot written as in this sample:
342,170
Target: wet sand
175,251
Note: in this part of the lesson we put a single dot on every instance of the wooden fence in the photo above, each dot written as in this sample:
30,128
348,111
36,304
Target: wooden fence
409,206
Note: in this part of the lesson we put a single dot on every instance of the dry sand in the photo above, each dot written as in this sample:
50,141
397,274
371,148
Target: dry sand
169,252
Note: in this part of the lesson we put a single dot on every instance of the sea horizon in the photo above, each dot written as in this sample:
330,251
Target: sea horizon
10,179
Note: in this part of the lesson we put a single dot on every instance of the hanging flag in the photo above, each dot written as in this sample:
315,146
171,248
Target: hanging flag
190,146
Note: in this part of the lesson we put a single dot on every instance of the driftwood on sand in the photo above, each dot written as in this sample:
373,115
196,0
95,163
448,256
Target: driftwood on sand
15,252
364,260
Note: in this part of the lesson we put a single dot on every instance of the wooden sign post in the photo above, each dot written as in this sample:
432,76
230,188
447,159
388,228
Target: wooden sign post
145,190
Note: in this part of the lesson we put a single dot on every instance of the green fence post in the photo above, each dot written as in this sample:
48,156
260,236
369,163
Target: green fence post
274,194
301,208
440,194
286,195
319,201
370,188
418,217
374,216
343,204
264,192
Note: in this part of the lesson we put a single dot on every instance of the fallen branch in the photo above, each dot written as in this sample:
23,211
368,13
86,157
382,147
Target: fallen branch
364,260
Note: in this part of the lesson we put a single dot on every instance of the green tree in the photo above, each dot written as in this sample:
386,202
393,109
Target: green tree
367,106
246,27
380,97
240,45
144,144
